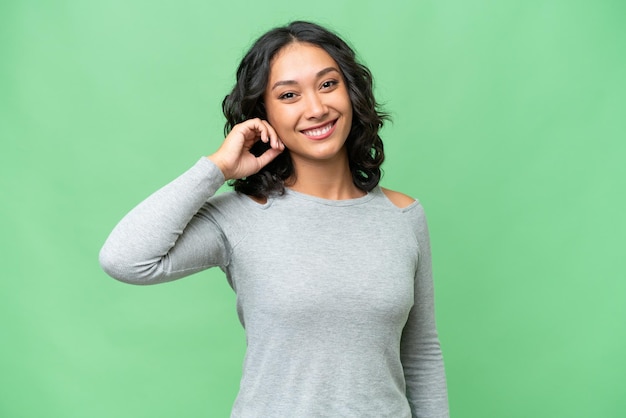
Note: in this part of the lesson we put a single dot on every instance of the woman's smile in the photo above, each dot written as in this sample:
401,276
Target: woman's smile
320,132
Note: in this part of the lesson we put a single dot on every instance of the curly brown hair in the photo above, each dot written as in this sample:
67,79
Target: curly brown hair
245,101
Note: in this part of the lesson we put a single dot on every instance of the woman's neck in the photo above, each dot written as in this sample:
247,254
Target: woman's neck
330,179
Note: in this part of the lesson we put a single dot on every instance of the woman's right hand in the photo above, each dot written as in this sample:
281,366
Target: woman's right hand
234,157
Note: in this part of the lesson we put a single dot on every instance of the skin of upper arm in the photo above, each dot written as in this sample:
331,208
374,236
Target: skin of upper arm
399,199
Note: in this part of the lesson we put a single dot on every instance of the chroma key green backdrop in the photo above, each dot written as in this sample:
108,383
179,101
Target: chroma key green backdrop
509,125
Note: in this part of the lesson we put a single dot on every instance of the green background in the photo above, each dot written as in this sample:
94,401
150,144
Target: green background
509,125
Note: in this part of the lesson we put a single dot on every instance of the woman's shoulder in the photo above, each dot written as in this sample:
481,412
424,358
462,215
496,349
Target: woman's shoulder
400,200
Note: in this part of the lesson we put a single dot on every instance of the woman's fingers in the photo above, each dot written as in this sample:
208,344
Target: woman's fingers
271,138
234,156
258,129
265,158
275,142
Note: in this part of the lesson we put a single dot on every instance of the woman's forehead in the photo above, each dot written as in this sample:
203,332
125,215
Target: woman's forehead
299,60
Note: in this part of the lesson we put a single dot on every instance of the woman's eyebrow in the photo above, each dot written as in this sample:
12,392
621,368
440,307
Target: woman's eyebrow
326,71
319,74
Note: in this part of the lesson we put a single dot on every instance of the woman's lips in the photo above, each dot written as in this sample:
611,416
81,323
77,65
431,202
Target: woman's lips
320,132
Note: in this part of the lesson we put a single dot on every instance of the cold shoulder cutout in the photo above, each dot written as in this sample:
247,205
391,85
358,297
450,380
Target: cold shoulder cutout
399,199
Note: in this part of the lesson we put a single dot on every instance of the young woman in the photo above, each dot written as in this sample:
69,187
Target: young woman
332,273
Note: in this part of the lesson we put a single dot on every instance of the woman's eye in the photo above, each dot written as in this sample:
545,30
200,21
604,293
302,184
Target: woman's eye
287,96
329,84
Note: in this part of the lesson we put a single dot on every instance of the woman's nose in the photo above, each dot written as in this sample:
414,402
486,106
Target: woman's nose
315,107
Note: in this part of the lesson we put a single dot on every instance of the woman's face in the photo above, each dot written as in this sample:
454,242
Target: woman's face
307,103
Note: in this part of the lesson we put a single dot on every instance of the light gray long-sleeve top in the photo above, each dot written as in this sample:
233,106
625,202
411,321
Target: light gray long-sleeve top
336,296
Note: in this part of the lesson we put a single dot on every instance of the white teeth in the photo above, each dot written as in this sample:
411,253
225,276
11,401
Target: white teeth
318,131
